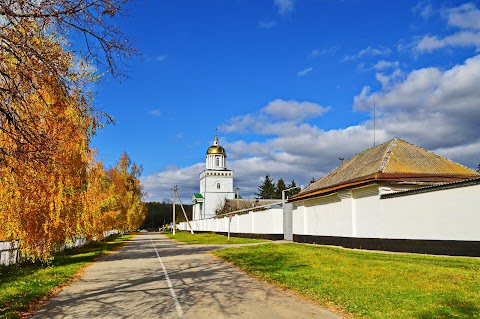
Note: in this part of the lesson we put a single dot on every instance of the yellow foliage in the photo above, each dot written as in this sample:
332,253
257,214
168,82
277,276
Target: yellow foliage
51,187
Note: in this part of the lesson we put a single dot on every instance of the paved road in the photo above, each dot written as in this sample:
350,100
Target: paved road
155,277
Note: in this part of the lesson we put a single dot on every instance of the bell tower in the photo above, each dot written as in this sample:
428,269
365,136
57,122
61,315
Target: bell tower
216,158
216,183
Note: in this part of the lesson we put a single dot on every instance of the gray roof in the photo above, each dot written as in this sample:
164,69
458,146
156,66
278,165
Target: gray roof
395,160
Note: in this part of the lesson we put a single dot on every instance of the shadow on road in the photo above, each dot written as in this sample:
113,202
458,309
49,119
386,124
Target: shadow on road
131,283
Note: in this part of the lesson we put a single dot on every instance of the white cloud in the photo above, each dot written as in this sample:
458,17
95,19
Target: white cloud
459,39
382,64
155,112
242,124
386,80
433,107
278,117
293,110
267,24
304,71
160,185
369,51
466,16
284,7
319,52
315,53
424,9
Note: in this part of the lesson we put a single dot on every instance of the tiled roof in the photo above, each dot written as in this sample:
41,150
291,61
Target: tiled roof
395,160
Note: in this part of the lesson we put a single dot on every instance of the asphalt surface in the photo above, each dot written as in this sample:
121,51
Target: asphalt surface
155,277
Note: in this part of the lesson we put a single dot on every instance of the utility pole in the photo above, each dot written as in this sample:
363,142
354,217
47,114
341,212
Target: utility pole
174,197
238,204
183,209
374,120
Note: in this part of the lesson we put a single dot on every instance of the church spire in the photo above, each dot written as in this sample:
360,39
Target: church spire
215,140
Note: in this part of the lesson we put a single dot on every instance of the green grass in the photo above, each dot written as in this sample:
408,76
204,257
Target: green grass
24,284
367,284
210,239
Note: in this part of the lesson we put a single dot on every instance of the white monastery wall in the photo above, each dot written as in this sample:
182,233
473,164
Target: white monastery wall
261,222
448,214
451,214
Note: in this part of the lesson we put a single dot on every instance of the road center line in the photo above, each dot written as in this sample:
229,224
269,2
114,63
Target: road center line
172,291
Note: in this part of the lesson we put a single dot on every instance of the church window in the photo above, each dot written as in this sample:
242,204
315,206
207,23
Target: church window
217,160
218,185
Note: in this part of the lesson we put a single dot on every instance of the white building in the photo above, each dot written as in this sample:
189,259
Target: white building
216,183
397,197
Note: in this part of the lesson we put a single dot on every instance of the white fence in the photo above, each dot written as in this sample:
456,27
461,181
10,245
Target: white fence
442,220
446,214
267,222
9,253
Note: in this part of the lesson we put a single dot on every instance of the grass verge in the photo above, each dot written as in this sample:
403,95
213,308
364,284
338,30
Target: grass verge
21,286
368,284
210,239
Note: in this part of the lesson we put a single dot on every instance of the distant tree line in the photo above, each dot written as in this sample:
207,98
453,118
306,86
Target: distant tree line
161,213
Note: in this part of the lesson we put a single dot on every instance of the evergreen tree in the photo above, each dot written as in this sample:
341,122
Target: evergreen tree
311,181
294,191
280,187
267,189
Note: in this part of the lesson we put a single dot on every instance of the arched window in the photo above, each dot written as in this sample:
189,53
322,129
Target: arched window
218,185
217,161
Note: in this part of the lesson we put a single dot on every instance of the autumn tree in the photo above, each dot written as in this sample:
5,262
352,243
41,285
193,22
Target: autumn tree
129,208
99,201
52,189
90,23
42,168
30,33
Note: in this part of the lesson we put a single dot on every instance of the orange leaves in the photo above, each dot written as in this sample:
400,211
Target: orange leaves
51,204
51,188
113,198
124,176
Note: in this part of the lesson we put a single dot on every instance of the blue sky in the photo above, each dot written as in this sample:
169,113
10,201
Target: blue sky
290,85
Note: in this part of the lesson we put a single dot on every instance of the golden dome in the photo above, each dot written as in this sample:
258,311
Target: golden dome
216,149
